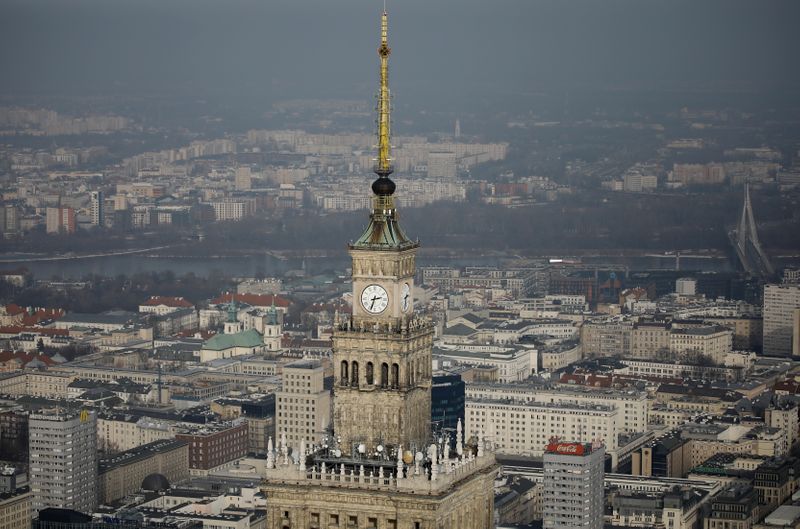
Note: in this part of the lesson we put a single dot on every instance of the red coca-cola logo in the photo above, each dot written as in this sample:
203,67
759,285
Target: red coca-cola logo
566,448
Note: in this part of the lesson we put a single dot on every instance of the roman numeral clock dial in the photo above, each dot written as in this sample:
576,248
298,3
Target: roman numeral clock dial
374,299
405,297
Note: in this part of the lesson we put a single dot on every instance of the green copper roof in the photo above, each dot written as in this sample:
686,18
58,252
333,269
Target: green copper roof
383,233
248,338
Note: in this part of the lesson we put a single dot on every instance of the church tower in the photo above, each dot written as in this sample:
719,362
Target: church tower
382,355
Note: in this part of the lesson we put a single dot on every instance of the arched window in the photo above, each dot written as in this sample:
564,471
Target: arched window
395,376
354,375
344,377
370,375
384,375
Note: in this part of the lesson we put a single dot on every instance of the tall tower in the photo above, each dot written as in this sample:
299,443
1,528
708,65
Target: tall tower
63,460
573,486
382,393
383,469
98,213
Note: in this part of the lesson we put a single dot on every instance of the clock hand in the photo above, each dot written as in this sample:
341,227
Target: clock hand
373,302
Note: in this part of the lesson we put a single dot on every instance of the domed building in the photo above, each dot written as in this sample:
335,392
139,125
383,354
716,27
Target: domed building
155,483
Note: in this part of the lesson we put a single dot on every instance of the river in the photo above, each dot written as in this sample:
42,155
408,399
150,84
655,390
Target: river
269,265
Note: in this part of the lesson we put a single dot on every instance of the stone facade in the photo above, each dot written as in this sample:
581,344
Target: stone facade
15,509
123,474
383,380
461,497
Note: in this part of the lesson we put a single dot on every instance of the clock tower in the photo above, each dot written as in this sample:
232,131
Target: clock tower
383,469
382,354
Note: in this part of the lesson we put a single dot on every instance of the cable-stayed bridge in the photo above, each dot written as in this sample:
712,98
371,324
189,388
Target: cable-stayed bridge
744,238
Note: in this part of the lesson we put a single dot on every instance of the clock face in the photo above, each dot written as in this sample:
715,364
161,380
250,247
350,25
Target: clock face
405,297
374,299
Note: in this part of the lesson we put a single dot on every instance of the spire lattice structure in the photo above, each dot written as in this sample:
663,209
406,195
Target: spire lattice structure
748,246
384,167
383,231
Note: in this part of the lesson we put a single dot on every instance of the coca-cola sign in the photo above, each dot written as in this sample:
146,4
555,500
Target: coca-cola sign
575,449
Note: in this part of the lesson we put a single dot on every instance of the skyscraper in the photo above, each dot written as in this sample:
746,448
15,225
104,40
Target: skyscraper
63,460
303,405
573,486
381,467
98,213
780,319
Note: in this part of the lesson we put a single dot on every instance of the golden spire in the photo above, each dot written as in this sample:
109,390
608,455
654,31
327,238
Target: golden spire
384,167
383,232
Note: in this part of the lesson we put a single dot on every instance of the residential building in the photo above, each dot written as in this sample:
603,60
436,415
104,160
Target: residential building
693,344
513,363
441,165
525,428
161,305
303,404
780,318
123,432
573,486
63,460
212,445
123,473
60,220
97,208
632,405
735,507
15,508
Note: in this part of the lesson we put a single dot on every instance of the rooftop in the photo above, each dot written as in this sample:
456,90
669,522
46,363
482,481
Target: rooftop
140,453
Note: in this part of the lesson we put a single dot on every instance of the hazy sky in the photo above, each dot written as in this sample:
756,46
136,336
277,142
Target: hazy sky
326,48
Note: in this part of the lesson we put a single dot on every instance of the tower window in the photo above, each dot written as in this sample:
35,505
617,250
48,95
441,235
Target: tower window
370,374
344,377
354,374
384,375
395,376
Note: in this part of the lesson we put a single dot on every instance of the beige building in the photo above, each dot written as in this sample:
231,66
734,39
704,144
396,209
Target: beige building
525,428
712,342
460,497
747,331
708,440
120,432
559,358
36,384
650,340
123,473
785,418
780,318
632,405
303,405
602,339
15,509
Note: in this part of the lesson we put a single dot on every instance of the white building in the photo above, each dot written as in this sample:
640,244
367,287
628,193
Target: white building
686,286
573,492
97,208
712,341
441,164
525,428
513,363
303,405
117,433
781,319
63,460
632,405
